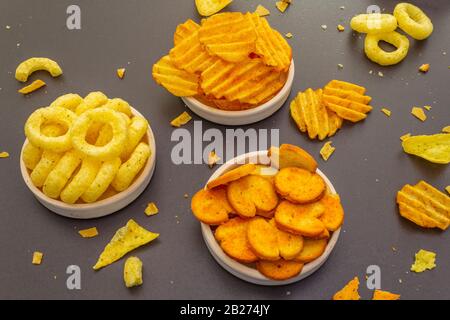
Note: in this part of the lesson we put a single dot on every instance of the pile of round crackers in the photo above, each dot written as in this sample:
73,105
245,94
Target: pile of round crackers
277,221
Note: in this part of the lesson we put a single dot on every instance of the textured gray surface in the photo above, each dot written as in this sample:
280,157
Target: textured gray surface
367,168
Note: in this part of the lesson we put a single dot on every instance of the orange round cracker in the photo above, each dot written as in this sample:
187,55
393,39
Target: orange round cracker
211,206
232,175
252,195
232,237
312,249
262,237
289,245
333,217
279,270
299,185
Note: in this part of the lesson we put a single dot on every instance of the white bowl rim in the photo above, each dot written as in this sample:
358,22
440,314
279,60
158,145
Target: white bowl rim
243,271
80,207
250,112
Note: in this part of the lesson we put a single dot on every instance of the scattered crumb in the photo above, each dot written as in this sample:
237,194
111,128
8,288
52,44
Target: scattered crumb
282,6
340,66
8,27
324,27
419,114
4,154
394,249
121,72
288,293
262,11
405,136
447,189
340,28
181,120
428,108
380,74
35,85
186,196
327,150
342,8
387,112
37,258
425,260
400,280
371,72
424,68
289,35
151,209
89,233
213,158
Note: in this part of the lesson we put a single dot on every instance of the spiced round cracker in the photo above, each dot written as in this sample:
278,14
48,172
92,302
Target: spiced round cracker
299,185
232,237
279,270
252,195
263,239
300,219
289,245
333,217
232,175
312,249
211,206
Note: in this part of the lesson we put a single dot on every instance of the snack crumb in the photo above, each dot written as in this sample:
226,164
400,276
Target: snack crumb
181,120
121,72
340,66
8,27
289,35
282,6
419,114
88,233
341,28
288,293
37,258
324,27
4,154
151,209
387,112
327,150
425,260
428,108
380,74
424,68
262,11
186,196
213,159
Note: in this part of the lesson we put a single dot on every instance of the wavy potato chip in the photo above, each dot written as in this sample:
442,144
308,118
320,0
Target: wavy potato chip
435,148
125,240
299,185
207,8
232,175
312,249
232,237
349,292
252,195
211,206
333,217
279,270
185,30
288,155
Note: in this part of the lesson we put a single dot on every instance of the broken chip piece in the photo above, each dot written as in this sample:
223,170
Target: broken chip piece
4,154
349,292
181,120
120,72
125,240
341,28
327,150
434,148
89,233
282,6
151,209
213,158
405,136
384,295
262,11
37,258
132,272
419,114
289,35
425,260
35,85
387,112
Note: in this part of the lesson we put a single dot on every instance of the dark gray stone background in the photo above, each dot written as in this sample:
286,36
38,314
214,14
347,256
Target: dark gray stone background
367,169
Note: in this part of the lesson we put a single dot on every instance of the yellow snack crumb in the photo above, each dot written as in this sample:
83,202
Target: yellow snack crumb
446,129
424,68
132,272
213,158
327,150
4,154
405,136
387,112
181,120
425,260
262,11
428,108
121,72
37,258
289,35
340,28
282,6
88,233
35,85
419,114
151,209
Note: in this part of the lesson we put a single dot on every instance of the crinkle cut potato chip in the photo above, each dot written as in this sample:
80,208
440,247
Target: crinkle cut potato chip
88,233
271,45
185,30
232,175
349,292
424,205
178,82
211,206
125,240
435,148
207,8
288,155
230,36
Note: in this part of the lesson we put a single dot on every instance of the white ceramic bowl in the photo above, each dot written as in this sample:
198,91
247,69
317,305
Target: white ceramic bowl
238,118
246,272
104,207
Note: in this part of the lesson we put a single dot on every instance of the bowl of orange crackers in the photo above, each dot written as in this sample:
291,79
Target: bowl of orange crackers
232,69
270,217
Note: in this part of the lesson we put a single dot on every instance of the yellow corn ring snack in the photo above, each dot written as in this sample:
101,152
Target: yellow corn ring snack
37,84
91,101
413,21
374,23
136,131
129,170
81,181
113,148
61,174
41,116
384,58
31,156
27,67
68,101
105,176
185,30
45,165
119,105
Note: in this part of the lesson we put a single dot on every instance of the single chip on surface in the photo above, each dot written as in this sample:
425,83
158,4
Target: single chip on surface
327,150
151,209
385,295
435,148
88,233
4,154
132,272
425,260
349,292
419,114
37,258
387,112
181,120
121,72
262,11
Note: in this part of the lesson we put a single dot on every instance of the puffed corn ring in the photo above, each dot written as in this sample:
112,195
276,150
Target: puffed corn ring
31,156
27,67
105,116
119,105
129,170
136,131
102,181
68,101
91,101
384,58
413,21
374,23
81,181
48,162
42,116
60,175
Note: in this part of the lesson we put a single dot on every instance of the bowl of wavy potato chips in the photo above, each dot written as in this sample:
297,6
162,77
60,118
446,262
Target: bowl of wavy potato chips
89,157
270,217
233,68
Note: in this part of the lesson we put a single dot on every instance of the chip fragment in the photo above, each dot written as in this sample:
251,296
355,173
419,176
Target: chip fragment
419,114
282,5
88,233
121,72
385,295
35,85
349,292
424,260
132,272
327,150
37,258
213,159
4,154
181,120
151,209
387,112
262,11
